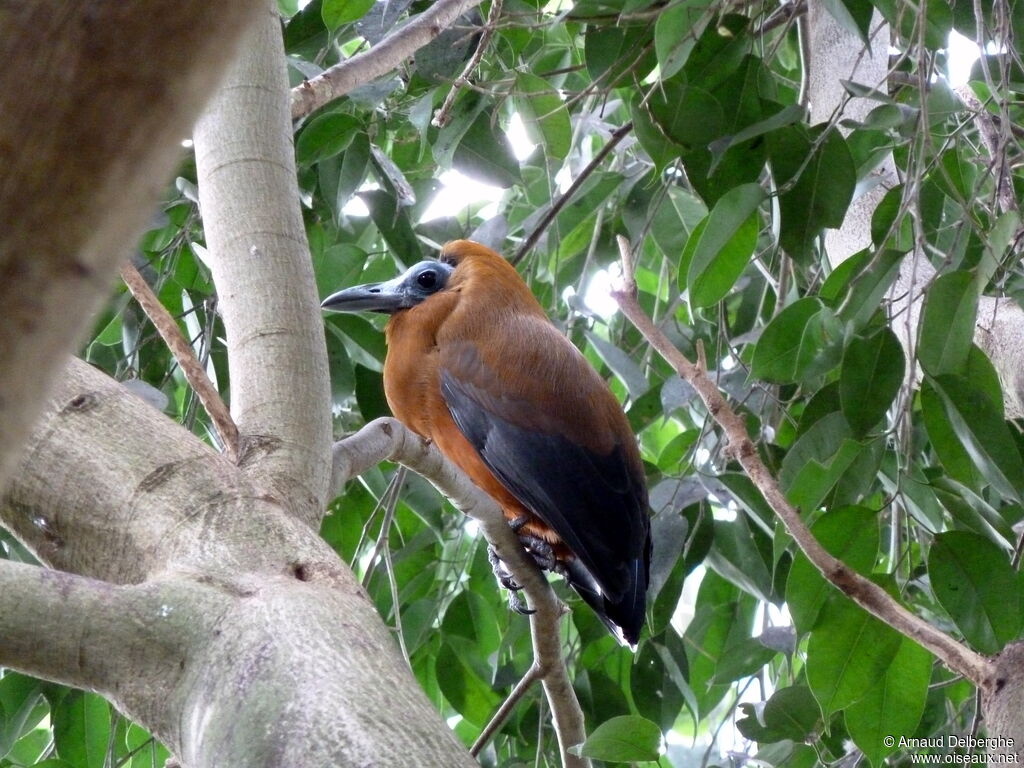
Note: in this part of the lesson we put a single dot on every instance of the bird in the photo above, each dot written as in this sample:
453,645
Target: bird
474,364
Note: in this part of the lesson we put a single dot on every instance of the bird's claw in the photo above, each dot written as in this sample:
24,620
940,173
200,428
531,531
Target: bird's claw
506,580
501,573
517,605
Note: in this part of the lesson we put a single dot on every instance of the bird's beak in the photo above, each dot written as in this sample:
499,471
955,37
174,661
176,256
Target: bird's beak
388,297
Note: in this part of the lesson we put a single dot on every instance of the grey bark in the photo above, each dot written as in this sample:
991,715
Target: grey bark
237,637
257,250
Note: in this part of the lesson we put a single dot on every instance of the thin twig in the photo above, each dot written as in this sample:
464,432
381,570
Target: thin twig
442,115
533,674
618,135
873,598
190,366
990,134
335,82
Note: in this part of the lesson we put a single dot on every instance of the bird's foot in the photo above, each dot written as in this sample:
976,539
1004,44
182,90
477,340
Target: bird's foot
540,550
506,580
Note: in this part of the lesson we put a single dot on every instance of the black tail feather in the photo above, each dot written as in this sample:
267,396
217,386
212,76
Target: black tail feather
623,617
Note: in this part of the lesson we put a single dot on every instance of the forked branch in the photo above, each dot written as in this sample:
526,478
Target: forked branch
862,591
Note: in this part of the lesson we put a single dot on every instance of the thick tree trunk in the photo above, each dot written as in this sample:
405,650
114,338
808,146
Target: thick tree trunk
236,635
256,241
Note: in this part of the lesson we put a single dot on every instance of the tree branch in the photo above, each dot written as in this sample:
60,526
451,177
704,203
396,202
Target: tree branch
441,117
259,257
91,131
388,439
389,53
108,483
193,371
533,674
62,627
865,593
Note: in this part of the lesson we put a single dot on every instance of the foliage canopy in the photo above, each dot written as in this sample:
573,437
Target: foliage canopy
725,189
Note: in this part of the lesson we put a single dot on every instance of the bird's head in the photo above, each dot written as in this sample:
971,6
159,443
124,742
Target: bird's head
415,285
462,267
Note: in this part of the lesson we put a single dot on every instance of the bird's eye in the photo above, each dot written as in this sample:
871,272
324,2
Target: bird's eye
427,279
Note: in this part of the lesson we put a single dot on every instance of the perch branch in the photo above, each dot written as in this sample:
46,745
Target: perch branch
190,366
335,82
864,592
387,439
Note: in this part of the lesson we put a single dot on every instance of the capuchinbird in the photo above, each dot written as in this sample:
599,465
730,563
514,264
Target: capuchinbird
474,365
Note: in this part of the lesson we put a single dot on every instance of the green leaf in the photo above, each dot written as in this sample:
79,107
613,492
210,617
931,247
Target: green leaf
624,739
370,393
857,286
853,15
661,148
973,580
871,376
817,460
393,222
737,556
544,115
687,114
655,680
779,119
816,177
947,323
848,651
611,51
945,442
791,713
776,353
81,729
471,617
743,660
628,372
369,339
462,683
821,347
20,695
893,705
726,244
848,533
486,154
338,12
676,32
324,137
979,424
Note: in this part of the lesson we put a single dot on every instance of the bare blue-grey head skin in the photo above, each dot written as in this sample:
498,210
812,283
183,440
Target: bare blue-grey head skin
407,290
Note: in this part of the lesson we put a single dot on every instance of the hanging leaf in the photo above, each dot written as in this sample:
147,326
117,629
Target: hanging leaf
947,323
871,376
725,245
973,580
624,739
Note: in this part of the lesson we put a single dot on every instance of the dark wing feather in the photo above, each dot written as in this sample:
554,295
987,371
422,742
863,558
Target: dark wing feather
596,504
